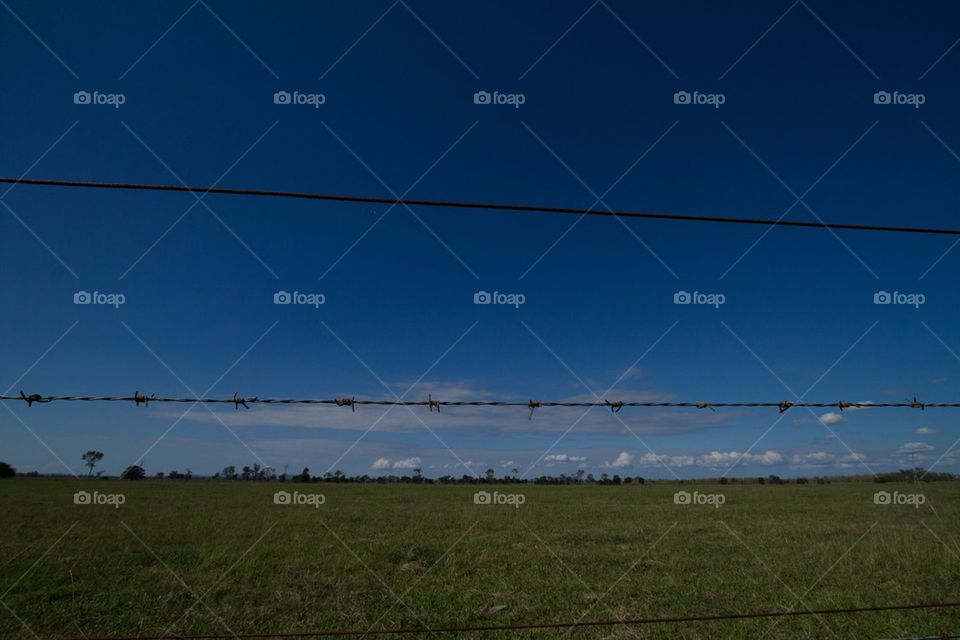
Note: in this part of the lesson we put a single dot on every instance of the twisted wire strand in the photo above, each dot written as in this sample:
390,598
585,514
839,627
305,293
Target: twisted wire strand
434,403
523,208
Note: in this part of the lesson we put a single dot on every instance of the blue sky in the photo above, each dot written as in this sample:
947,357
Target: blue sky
798,133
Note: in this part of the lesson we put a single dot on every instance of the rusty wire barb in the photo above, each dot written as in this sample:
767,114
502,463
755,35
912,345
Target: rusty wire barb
346,402
520,208
433,404
533,405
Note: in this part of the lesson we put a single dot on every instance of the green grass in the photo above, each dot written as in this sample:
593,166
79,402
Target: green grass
568,552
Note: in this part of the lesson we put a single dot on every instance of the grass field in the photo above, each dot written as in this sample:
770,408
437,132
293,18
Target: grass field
199,556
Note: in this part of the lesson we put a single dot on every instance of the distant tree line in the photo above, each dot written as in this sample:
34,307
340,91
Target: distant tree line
259,473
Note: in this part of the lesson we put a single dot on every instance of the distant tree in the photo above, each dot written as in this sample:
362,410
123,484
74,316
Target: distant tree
303,476
133,472
490,475
802,481
723,480
174,475
159,475
229,473
761,481
90,460
6,471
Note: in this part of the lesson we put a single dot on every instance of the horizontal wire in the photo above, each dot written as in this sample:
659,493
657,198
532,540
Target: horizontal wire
540,625
352,402
476,205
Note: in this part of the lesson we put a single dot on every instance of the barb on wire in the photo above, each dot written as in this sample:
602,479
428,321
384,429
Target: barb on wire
434,404
139,399
33,397
533,405
614,406
344,402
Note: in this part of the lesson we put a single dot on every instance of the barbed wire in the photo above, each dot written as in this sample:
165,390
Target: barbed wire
435,405
266,635
523,208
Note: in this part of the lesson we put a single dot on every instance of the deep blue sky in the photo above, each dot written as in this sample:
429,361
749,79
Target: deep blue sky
798,83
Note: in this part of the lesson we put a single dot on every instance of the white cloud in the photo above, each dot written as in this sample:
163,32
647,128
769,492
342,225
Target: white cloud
381,463
814,459
854,459
720,459
925,431
407,463
830,418
623,460
563,457
908,448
